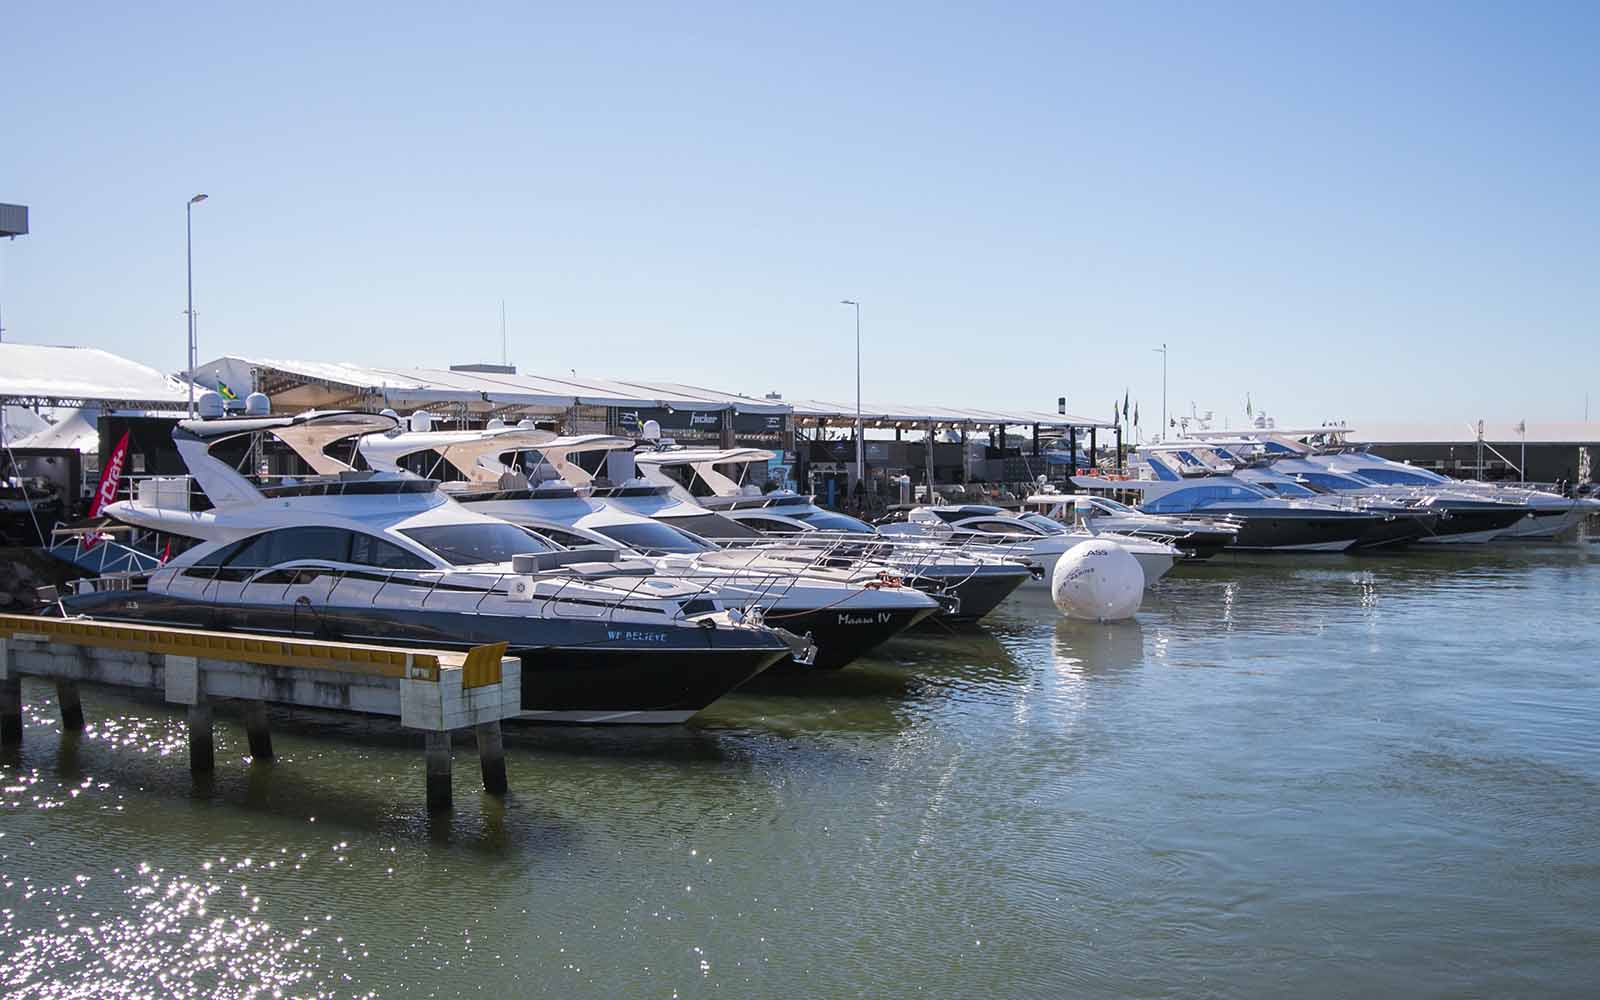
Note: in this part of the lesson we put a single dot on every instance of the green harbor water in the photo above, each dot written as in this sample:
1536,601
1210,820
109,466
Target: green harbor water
1315,776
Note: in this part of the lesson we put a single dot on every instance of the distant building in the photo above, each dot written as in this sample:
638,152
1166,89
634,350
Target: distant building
1569,451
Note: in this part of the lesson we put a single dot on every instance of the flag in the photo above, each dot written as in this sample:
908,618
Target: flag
1249,408
166,553
227,393
107,491
1115,417
1124,402
1136,414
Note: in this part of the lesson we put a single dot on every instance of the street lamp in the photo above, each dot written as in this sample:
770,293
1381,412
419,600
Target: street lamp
861,469
188,227
1162,350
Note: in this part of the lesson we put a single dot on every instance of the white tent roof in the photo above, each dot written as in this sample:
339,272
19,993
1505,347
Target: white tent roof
19,422
407,387
75,431
40,375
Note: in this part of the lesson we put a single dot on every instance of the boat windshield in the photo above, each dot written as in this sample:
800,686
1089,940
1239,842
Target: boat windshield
827,520
654,537
1107,503
477,544
1283,489
1044,524
709,526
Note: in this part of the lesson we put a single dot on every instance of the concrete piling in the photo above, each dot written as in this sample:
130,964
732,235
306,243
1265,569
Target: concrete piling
71,706
255,725
202,738
437,751
492,757
11,710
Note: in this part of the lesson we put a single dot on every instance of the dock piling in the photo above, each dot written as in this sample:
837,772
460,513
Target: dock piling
202,742
437,749
71,706
10,710
492,757
255,725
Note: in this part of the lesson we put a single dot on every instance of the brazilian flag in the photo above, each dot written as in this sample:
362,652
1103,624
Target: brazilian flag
227,393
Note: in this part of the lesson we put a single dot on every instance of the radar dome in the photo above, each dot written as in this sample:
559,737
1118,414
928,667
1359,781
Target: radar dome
257,404
651,431
209,405
1097,580
421,421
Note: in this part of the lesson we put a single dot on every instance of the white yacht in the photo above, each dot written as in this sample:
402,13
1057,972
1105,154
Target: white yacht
372,557
972,581
846,605
1039,539
1195,537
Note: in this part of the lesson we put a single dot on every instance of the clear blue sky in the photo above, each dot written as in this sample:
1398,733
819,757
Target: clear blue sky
1359,211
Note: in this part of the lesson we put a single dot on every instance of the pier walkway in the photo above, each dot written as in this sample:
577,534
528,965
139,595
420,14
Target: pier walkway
436,692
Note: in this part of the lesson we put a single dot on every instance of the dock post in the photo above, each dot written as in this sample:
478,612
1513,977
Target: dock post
492,758
202,744
255,726
10,710
437,750
10,700
71,706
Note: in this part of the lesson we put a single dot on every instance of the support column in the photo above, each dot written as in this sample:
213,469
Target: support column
71,706
10,710
255,726
492,758
1094,453
1119,449
437,750
202,737
1072,448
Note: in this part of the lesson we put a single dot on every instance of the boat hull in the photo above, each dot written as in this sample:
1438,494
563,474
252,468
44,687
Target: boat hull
843,634
579,670
976,591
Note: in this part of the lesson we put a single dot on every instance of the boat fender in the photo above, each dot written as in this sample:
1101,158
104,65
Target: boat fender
1098,580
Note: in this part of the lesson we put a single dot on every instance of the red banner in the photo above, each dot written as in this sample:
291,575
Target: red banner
107,492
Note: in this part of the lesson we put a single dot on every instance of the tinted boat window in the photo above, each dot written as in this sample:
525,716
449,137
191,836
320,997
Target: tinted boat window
567,539
475,544
654,537
711,526
290,544
368,550
827,520
770,526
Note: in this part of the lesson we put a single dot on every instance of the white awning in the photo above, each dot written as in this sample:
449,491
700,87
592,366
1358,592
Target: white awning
75,431
39,375
323,384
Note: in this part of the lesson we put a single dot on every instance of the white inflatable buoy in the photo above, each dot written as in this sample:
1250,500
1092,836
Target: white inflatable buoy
1098,580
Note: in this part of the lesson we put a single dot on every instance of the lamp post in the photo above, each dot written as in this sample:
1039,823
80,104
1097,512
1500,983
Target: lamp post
1162,350
188,228
861,468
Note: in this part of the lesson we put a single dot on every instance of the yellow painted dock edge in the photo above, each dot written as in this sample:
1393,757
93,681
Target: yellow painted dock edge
482,665
381,661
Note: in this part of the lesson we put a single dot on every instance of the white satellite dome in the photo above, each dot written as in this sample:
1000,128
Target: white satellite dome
257,404
421,421
1098,580
209,405
651,431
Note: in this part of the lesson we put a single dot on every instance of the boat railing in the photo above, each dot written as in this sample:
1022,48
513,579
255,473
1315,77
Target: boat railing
610,594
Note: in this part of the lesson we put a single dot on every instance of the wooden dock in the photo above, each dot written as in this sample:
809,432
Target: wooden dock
432,691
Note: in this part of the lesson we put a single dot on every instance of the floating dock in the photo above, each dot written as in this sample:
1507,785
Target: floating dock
432,691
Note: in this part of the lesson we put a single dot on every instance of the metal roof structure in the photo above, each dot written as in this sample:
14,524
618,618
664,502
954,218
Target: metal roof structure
306,384
39,375
1574,432
818,412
